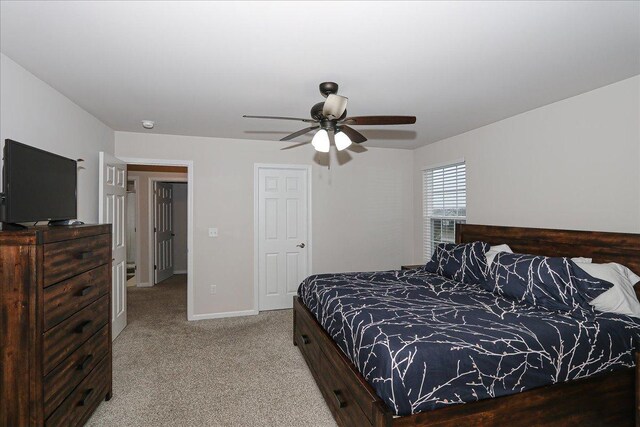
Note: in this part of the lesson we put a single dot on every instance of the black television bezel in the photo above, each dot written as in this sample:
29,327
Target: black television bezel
6,205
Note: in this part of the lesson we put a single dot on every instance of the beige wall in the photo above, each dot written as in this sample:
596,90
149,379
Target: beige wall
144,178
362,210
179,228
573,164
34,113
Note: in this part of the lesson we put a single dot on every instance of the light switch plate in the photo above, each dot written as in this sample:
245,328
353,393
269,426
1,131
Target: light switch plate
213,232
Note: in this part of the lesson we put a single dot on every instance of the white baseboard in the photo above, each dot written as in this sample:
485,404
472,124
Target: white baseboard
179,271
144,285
223,315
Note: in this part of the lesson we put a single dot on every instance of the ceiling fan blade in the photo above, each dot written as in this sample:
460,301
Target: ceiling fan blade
357,148
332,137
281,118
380,120
353,134
296,145
334,106
300,132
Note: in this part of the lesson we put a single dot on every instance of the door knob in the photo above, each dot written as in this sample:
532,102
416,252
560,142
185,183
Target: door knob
301,245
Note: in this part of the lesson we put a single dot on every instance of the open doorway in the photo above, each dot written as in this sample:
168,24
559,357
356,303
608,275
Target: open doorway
161,225
157,220
134,230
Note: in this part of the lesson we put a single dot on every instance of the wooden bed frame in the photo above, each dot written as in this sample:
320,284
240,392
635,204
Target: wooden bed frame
606,399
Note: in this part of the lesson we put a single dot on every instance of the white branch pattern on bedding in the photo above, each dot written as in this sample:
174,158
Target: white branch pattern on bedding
425,342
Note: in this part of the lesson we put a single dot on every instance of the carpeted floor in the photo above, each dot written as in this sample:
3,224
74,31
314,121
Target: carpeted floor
241,371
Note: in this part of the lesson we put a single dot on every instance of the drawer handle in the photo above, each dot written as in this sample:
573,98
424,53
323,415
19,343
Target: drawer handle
305,339
85,362
85,255
85,396
84,291
81,327
339,399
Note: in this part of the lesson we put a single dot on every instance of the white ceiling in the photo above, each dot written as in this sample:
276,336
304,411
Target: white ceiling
196,68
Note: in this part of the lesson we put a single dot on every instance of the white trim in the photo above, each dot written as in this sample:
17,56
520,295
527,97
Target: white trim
152,235
223,315
256,169
136,180
179,271
100,181
443,164
190,223
144,285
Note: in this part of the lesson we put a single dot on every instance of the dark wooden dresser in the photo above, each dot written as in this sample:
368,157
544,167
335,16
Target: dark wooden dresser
55,325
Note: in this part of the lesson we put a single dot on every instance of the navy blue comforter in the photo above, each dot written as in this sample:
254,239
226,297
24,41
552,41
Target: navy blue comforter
425,342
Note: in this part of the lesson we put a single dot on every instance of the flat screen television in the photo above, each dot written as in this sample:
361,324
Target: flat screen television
37,185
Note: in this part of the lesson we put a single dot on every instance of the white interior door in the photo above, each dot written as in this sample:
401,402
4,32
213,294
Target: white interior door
282,235
163,230
112,209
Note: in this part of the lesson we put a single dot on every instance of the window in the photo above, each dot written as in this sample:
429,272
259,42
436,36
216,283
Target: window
444,204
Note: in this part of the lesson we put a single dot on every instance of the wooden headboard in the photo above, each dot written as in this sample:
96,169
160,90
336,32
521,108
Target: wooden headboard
603,247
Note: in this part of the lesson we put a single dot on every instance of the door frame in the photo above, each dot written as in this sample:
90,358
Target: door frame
256,215
190,225
152,234
137,219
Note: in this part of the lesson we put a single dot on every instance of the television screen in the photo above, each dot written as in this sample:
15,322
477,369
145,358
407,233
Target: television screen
37,185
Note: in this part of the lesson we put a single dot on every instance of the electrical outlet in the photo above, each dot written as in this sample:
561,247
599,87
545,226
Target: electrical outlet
213,232
213,289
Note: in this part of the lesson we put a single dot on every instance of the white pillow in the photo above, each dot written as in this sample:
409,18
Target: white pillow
494,250
580,259
622,297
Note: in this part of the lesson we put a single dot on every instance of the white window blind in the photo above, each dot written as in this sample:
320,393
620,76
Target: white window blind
444,204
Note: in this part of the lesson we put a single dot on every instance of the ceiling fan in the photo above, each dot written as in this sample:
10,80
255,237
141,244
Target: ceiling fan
333,127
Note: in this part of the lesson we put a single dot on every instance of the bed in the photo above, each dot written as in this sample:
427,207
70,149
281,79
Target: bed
599,392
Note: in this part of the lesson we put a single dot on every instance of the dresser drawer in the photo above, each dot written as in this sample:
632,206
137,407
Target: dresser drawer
66,298
83,400
71,257
67,375
61,340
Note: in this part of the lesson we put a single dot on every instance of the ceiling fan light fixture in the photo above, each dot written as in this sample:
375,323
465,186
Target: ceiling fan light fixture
320,141
342,141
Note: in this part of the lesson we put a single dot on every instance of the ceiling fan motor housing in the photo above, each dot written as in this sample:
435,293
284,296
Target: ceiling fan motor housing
328,88
316,112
